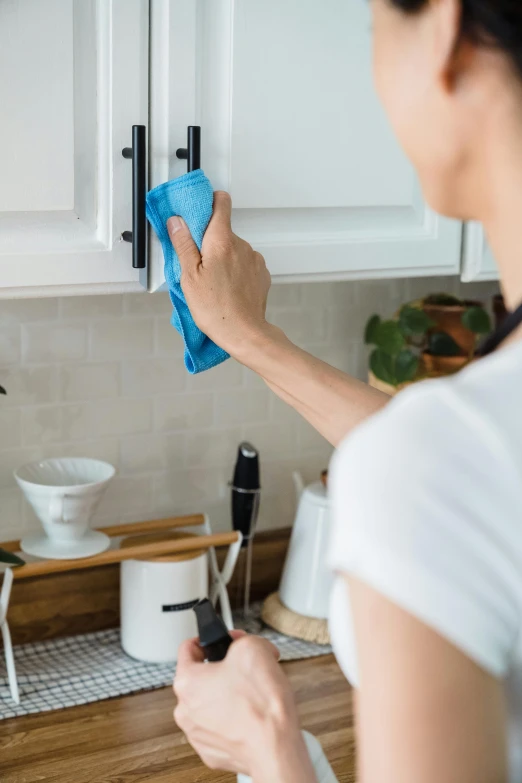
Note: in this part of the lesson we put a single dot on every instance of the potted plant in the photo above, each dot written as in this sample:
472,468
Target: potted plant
427,338
9,557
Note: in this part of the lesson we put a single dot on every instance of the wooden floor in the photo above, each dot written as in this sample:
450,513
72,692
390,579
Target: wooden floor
133,739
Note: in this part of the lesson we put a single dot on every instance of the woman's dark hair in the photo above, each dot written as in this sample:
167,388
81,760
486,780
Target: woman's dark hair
490,22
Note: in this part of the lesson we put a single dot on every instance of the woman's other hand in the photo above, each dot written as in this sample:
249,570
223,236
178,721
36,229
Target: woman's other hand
238,714
226,286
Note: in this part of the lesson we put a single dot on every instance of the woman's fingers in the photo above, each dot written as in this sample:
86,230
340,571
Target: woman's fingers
222,213
190,652
182,242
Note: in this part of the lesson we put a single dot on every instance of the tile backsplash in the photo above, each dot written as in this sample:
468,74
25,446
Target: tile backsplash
104,377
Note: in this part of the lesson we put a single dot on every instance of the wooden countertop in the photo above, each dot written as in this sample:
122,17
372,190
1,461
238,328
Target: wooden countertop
133,739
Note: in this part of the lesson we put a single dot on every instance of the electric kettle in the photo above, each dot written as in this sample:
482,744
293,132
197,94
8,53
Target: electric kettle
307,581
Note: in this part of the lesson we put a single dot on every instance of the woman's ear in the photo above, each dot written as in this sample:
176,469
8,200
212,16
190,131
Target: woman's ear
449,48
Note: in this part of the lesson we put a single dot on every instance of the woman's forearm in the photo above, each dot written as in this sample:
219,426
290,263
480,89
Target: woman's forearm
330,400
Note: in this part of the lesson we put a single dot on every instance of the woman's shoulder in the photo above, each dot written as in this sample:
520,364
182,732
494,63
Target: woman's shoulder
427,509
463,418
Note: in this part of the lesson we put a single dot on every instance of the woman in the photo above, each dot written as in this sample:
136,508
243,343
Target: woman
427,493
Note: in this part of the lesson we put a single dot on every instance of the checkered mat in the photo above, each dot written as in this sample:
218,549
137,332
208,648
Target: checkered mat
92,667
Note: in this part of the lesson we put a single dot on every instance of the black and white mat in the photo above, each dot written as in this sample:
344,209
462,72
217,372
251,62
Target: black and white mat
92,667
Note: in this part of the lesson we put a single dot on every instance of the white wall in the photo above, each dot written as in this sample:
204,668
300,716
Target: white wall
104,377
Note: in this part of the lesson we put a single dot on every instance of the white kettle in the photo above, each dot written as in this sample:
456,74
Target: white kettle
306,582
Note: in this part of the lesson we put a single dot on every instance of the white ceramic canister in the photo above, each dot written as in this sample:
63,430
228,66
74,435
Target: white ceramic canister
306,582
322,769
156,600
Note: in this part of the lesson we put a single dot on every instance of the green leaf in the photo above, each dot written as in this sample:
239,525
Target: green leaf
476,320
381,364
443,300
442,344
389,337
10,558
413,321
406,366
371,330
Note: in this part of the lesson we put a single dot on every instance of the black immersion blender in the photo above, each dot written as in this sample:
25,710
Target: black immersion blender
245,491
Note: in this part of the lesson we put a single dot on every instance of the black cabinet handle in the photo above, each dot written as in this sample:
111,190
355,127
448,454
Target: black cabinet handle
138,236
192,152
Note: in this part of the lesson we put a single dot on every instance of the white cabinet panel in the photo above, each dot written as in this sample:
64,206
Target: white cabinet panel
73,81
292,128
36,161
477,261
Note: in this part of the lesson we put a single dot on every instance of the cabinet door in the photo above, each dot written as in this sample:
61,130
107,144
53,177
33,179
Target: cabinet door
292,128
73,81
477,261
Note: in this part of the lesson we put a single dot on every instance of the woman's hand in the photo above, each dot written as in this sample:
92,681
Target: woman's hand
226,286
239,714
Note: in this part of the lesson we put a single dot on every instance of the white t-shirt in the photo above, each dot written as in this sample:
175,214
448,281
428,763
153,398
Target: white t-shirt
427,509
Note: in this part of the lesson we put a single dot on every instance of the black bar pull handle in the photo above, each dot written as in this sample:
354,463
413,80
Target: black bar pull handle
138,236
192,152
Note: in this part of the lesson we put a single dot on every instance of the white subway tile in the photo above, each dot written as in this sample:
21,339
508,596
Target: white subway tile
151,452
148,304
167,341
15,458
122,417
252,380
90,381
276,511
300,324
56,423
309,440
10,344
22,311
10,428
225,376
273,440
105,449
349,323
11,519
103,306
285,295
338,294
77,422
29,385
183,411
126,494
175,450
178,491
212,447
122,338
240,406
153,376
42,425
53,342
172,436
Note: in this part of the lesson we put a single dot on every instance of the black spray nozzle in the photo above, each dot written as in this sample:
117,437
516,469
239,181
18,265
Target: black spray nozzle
214,637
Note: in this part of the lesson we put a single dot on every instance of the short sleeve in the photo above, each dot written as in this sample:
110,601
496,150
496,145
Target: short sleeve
424,511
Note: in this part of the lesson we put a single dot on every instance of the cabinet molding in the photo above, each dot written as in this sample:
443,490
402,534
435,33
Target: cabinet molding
49,249
291,127
477,259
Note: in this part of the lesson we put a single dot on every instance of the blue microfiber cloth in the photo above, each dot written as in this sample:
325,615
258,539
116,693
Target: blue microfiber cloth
191,197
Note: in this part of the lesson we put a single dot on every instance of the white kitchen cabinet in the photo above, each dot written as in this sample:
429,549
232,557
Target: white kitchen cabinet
73,82
292,128
477,259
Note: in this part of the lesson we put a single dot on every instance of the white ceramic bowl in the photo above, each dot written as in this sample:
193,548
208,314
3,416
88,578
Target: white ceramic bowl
65,493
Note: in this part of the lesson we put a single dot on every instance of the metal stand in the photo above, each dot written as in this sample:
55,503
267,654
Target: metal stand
220,579
8,647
